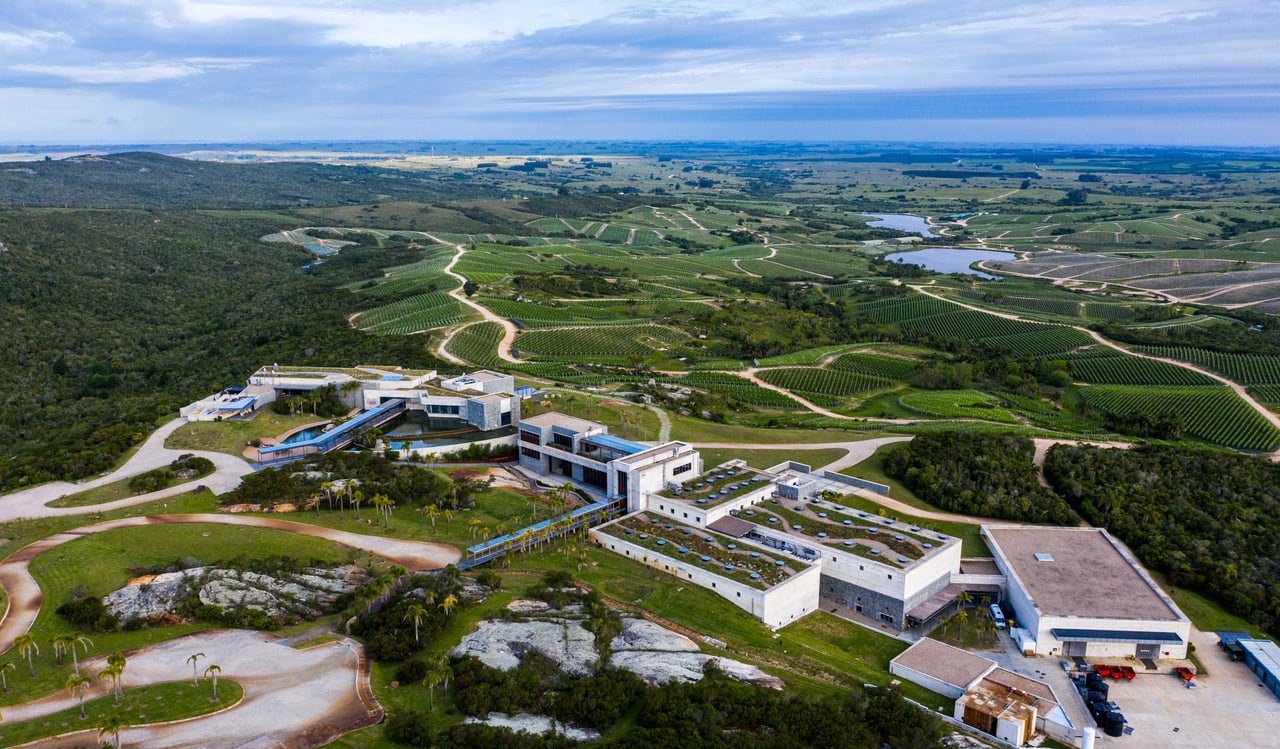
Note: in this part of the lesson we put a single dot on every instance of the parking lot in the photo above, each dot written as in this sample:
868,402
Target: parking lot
1228,709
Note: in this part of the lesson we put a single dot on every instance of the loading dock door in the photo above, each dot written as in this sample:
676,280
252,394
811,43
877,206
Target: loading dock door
1148,651
1074,648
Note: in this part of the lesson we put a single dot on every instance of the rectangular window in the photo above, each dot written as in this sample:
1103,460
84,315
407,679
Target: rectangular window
562,440
529,452
682,469
532,438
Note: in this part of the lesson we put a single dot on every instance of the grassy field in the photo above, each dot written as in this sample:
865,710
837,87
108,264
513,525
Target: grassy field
109,493
697,430
155,703
232,437
103,562
872,469
769,458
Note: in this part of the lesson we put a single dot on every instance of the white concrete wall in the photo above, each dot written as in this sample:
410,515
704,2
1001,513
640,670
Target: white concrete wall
931,683
453,447
938,563
775,607
1047,644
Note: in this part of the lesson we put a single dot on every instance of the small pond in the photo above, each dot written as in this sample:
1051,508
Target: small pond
902,222
950,259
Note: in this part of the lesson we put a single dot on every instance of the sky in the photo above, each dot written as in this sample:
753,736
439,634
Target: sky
1194,72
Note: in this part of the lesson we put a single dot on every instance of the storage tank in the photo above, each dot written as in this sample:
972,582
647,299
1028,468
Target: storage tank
1114,725
1087,738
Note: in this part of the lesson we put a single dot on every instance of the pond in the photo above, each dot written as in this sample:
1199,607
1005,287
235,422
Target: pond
951,259
902,222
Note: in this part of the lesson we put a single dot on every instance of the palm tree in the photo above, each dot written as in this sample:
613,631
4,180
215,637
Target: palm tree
448,515
60,643
212,671
77,683
112,724
113,673
448,603
436,673
414,613
356,498
26,644
432,512
6,666
473,524
80,639
195,673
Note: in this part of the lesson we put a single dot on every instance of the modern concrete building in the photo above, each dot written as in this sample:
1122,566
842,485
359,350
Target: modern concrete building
874,566
555,444
1079,592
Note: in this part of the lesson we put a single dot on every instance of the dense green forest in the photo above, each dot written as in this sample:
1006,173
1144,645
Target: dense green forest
987,475
153,181
114,319
1210,521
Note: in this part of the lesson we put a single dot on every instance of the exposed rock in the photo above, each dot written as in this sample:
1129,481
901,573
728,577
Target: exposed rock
539,724
499,644
661,668
304,594
642,634
528,606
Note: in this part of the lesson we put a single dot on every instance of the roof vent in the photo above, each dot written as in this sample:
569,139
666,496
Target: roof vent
1041,557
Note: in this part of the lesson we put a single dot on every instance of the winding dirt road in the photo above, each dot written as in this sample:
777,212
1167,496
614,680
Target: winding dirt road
508,329
31,502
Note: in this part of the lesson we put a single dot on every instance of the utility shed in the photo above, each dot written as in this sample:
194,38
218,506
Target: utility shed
1263,658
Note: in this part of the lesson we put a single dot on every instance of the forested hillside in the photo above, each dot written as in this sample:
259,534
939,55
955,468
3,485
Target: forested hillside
116,318
1210,521
149,180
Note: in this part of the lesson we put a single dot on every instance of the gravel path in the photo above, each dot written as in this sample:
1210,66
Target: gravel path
31,503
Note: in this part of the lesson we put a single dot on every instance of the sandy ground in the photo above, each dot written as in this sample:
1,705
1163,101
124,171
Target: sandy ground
292,698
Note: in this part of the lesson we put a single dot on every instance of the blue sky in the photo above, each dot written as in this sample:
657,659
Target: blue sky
1086,71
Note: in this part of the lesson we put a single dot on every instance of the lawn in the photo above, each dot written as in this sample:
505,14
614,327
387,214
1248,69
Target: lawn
109,493
232,437
872,469
970,629
155,703
763,459
105,561
695,430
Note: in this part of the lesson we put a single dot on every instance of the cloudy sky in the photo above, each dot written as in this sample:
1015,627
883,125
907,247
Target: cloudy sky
1094,71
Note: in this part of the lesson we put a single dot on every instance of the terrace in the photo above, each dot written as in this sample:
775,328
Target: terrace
879,539
696,547
719,485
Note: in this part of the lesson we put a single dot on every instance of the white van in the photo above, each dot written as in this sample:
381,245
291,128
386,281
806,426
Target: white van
997,616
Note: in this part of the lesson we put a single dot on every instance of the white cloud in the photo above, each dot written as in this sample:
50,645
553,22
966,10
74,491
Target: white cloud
139,72
27,41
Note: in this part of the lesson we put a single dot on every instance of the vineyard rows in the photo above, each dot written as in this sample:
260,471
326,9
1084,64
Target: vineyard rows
421,312
803,357
478,343
739,389
958,404
1246,369
595,341
812,380
1113,368
875,366
1214,414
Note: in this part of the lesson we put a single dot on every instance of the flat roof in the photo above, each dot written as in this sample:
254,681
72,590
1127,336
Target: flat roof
624,446
1090,574
946,663
1265,652
677,449
1006,678
1114,635
557,419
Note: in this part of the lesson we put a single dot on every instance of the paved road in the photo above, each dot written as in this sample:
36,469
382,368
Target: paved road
25,596
292,698
30,503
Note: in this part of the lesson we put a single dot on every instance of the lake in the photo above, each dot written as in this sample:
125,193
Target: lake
902,222
951,259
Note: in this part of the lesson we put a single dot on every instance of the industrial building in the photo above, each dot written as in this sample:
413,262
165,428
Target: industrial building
1079,592
989,698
